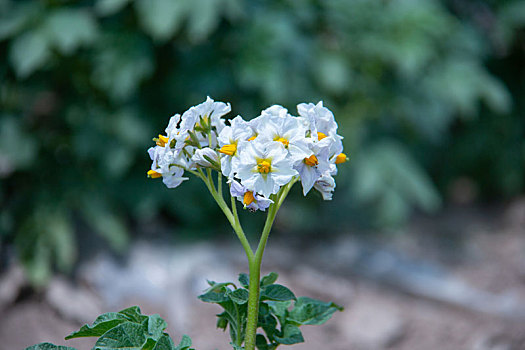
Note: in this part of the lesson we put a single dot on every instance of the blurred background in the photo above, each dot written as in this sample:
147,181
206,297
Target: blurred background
424,241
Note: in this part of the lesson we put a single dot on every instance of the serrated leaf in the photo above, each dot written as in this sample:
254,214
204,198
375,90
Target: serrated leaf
130,336
291,335
277,292
239,296
269,279
102,324
49,346
244,279
308,311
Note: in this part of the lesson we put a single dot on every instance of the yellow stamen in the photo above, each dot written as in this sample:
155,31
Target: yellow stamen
229,149
320,135
248,198
162,141
264,166
283,140
153,174
341,158
252,138
311,161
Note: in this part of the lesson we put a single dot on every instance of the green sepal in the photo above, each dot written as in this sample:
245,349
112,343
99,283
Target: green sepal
277,292
49,346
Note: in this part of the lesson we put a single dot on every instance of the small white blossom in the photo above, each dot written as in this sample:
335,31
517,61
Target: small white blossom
263,166
320,120
228,139
313,166
164,166
251,200
281,126
325,185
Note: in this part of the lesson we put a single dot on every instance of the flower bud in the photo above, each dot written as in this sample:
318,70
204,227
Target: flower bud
206,157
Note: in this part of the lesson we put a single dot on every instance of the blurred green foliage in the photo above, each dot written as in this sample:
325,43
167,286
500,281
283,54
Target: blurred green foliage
425,92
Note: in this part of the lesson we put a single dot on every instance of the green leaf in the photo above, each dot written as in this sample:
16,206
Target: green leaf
105,222
269,279
214,297
161,18
49,346
291,335
28,52
17,18
239,296
260,342
164,343
156,325
184,344
280,308
102,324
277,292
268,323
308,311
130,336
68,29
244,279
122,62
133,314
109,7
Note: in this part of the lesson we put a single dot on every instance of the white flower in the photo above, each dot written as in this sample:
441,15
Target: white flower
171,129
209,112
281,126
313,166
263,166
325,185
164,166
251,200
320,119
206,157
229,138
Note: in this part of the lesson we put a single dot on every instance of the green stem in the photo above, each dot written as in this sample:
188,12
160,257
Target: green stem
255,269
232,217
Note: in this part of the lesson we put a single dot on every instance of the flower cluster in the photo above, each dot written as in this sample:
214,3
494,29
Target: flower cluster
258,156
